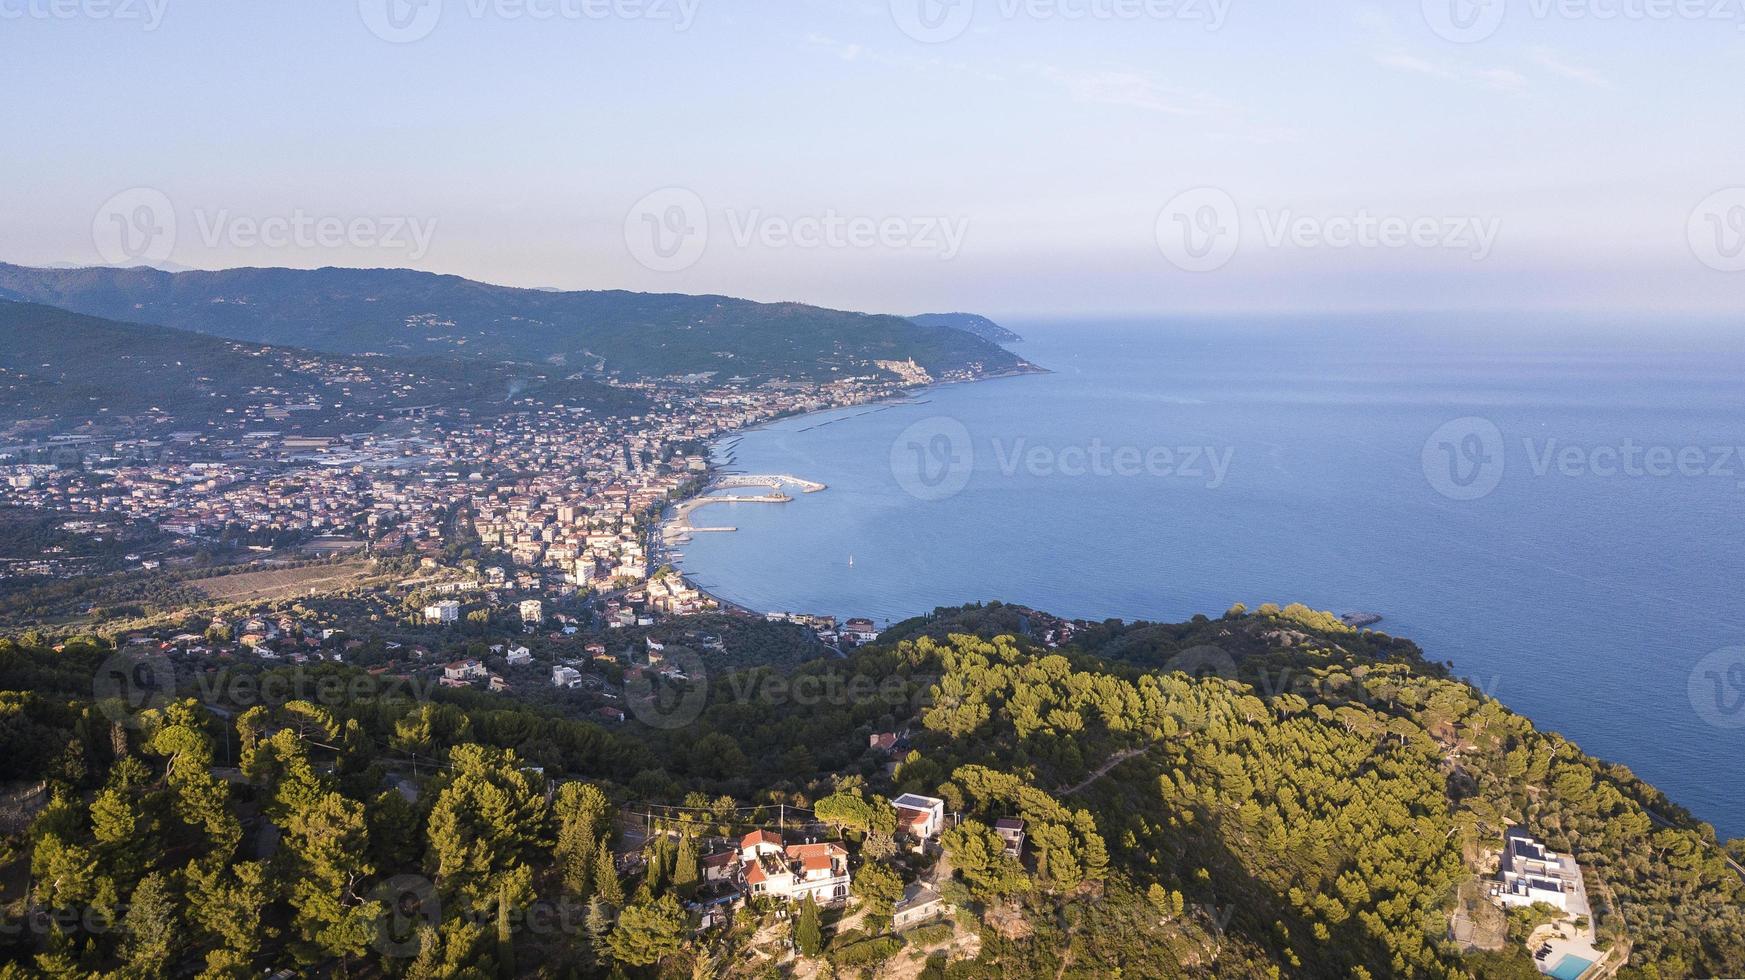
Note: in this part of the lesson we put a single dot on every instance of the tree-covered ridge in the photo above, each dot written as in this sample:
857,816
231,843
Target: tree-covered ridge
64,370
1311,804
402,312
974,323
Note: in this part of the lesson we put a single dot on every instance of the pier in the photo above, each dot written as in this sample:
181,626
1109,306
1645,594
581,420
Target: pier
774,482
677,528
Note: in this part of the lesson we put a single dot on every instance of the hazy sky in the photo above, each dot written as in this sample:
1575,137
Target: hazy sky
1003,156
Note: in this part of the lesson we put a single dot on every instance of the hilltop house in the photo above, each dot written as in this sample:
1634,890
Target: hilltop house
920,903
1011,831
1529,874
921,817
463,672
860,630
793,871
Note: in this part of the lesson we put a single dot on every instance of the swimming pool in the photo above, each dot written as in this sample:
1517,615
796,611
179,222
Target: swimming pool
1570,967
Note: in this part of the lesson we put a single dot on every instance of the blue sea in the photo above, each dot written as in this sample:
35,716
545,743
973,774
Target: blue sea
1550,504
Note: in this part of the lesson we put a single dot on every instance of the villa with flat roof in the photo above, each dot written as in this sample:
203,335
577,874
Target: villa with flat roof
1530,874
921,817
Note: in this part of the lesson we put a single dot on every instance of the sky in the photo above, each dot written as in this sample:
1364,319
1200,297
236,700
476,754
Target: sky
1012,157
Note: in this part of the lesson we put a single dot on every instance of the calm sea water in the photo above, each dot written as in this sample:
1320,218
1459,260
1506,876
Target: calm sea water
1473,481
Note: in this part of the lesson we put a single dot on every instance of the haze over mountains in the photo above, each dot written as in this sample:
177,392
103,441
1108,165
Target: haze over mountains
974,323
408,313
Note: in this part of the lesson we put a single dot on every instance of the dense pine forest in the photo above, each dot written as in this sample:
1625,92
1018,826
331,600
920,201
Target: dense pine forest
1269,793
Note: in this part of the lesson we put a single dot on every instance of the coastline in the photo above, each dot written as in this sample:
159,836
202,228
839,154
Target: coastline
674,527
1498,660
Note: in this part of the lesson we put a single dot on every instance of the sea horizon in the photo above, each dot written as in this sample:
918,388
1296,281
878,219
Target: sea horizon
1301,422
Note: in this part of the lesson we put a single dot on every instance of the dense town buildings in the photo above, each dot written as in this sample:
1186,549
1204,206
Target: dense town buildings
563,492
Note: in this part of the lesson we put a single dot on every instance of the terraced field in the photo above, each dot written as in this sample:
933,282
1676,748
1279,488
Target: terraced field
286,583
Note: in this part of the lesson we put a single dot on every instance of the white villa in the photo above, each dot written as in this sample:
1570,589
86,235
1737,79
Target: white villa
921,817
1530,874
793,871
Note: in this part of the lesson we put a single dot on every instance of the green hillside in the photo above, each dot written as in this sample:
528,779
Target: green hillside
1280,797
64,372
974,323
397,311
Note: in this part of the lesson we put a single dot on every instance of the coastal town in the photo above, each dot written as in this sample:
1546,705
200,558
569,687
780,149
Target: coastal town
548,502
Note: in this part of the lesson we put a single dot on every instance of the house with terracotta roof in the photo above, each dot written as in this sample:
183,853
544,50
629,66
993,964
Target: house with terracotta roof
720,867
461,673
792,871
921,817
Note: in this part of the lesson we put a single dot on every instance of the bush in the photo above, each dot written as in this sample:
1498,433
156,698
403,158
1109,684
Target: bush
931,935
867,953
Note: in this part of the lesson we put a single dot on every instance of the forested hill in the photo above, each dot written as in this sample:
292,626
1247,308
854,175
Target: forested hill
1265,794
399,311
65,372
974,323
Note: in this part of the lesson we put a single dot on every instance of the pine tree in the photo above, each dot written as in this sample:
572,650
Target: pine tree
599,926
485,825
809,930
607,887
574,856
327,846
686,868
659,871
227,903
646,934
152,926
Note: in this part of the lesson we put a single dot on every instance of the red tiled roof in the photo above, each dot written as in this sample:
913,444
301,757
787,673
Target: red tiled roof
816,857
757,837
912,817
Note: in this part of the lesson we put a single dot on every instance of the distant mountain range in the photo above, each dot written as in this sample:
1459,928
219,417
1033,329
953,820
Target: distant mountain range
417,314
974,323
